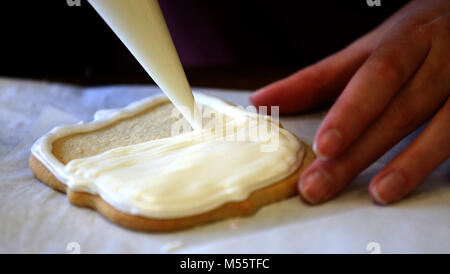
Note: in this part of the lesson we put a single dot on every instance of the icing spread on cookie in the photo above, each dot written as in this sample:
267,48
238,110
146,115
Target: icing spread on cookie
183,175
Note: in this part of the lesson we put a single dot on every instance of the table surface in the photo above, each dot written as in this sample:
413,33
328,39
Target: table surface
35,218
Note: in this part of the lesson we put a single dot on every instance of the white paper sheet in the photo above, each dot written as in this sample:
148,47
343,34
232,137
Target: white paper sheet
35,218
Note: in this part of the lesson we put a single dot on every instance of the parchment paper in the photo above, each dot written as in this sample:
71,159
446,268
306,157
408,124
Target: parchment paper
35,218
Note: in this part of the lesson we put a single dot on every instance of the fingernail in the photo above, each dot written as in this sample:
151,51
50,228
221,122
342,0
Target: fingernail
315,187
328,143
390,188
318,153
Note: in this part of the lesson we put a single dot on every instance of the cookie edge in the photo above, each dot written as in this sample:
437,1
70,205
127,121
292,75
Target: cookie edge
257,199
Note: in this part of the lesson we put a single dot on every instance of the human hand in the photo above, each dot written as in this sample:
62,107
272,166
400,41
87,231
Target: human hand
388,83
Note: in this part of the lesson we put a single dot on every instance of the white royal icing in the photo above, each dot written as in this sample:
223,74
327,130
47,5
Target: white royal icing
182,175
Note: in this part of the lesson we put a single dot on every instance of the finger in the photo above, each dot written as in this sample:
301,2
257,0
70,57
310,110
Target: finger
325,80
412,106
372,88
315,84
432,146
409,168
